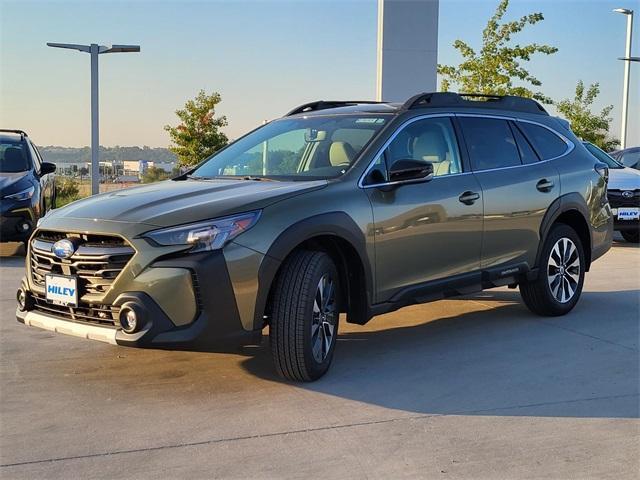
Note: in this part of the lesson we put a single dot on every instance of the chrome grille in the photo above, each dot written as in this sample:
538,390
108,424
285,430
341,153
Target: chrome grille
617,199
97,261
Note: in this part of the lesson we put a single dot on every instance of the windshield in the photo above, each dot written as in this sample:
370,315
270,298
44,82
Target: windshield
302,148
602,156
13,157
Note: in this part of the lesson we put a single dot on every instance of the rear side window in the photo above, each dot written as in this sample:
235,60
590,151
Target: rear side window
527,155
546,143
490,143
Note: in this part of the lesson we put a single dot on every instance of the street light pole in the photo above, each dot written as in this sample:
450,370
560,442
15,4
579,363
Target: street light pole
95,125
94,49
627,72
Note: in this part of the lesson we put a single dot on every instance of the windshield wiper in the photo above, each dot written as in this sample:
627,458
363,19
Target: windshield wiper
232,177
257,179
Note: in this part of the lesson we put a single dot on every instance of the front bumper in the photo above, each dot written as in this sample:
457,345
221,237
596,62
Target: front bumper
624,225
13,223
216,321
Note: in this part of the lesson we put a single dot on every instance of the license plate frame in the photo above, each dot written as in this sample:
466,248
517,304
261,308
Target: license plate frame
627,214
64,283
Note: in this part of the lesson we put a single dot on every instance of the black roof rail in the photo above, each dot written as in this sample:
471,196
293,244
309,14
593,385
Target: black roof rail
324,104
9,130
474,100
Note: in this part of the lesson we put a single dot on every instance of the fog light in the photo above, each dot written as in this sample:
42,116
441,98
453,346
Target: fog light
23,299
129,320
23,227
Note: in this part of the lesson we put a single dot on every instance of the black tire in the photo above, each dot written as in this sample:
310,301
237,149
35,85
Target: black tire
539,295
294,328
631,236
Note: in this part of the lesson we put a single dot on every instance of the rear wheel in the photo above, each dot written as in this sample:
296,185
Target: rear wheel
561,274
304,316
631,236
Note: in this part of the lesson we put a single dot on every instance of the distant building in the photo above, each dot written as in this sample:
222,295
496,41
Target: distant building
166,166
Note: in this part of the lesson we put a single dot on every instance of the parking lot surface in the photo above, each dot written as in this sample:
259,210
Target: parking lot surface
464,388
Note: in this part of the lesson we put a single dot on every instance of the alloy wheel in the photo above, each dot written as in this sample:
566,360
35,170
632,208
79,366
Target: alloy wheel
325,314
563,270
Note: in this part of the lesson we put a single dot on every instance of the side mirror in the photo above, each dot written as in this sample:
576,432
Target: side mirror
47,168
410,169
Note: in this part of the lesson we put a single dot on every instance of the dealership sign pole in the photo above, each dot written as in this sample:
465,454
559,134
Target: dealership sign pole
95,50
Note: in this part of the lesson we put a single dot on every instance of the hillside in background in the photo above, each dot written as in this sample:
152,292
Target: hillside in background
79,155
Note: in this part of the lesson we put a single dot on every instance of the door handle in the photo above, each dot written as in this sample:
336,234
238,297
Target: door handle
545,185
469,198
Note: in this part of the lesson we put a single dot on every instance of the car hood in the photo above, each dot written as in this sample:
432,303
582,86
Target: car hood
13,182
624,179
174,202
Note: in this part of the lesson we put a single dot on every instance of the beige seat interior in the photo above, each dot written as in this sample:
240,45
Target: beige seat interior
341,153
431,146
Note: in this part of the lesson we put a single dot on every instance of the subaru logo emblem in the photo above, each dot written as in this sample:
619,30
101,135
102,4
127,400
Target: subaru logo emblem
627,194
64,248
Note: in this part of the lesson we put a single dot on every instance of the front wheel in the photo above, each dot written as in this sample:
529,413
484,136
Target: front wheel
561,274
304,316
631,236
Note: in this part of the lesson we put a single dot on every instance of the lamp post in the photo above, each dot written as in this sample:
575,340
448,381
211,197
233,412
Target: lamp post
95,50
627,68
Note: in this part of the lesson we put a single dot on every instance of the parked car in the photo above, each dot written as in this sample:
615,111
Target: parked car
27,186
623,192
629,157
338,207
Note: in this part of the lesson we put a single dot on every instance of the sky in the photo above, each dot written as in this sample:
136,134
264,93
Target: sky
263,57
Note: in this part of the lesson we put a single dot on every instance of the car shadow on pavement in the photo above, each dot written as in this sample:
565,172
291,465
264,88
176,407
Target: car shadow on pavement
498,361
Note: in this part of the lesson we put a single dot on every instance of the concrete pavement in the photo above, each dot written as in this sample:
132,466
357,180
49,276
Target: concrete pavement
466,388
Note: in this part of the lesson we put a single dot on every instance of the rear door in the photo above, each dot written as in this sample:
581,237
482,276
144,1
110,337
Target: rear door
518,187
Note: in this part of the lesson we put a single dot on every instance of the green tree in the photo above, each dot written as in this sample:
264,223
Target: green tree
154,174
498,64
592,127
198,135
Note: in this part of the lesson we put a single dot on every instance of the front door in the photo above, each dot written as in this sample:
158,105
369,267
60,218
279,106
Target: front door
425,231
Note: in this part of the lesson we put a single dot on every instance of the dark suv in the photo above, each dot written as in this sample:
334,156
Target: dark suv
27,186
338,207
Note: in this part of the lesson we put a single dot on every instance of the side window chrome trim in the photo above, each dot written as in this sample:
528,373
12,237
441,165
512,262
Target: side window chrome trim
569,143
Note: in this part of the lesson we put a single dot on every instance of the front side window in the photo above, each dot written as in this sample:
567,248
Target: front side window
34,156
547,144
13,157
490,143
313,147
430,140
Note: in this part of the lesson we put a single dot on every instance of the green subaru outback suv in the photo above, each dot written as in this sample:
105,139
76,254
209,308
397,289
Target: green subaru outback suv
358,208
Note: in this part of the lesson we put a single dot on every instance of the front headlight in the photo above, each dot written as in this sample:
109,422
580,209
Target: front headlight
22,195
205,236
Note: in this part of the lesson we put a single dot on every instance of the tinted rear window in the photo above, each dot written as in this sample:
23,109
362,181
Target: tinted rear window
546,143
490,143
